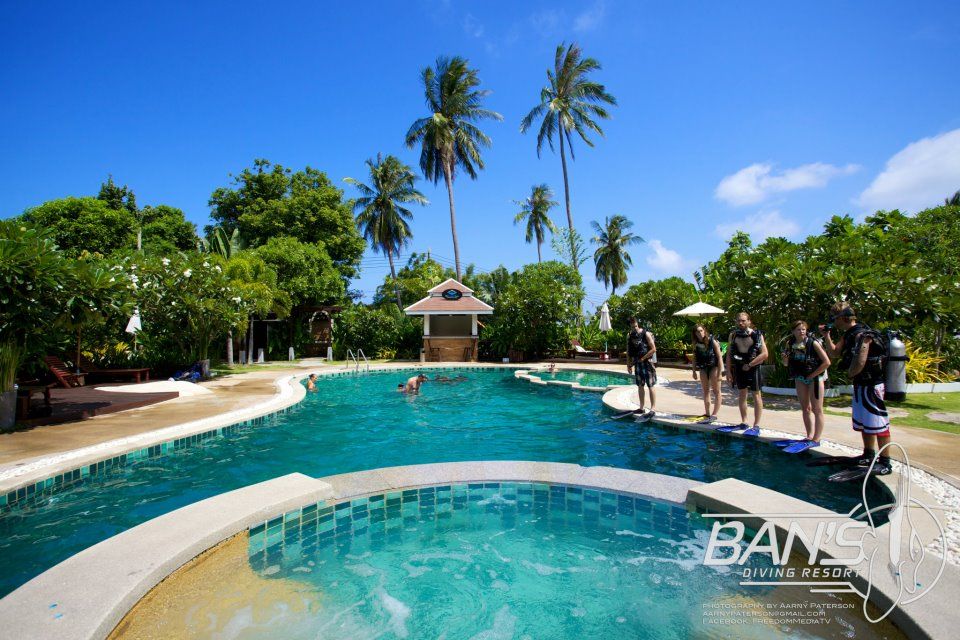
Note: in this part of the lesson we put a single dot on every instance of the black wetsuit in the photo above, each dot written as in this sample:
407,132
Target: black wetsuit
644,371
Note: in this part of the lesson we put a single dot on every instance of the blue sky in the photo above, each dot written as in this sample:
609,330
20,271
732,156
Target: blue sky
764,116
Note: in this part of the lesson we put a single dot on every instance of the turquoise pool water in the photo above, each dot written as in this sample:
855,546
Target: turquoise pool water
586,378
360,422
511,560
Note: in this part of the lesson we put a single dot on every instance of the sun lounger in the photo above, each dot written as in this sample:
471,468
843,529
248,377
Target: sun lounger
137,374
67,379
576,349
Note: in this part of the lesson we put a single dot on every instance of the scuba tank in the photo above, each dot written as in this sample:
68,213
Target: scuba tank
896,378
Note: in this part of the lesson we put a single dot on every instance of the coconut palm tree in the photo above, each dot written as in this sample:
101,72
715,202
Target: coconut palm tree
569,102
953,201
535,210
381,214
611,257
449,137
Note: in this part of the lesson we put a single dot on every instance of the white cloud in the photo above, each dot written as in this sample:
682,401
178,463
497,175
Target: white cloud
591,18
472,26
546,21
664,259
918,176
756,183
760,226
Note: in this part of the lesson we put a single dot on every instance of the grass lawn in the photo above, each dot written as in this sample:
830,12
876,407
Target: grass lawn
918,405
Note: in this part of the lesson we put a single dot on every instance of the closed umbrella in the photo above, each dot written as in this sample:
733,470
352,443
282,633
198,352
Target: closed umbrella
605,322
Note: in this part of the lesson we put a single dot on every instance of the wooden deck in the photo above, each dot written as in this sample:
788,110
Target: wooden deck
70,405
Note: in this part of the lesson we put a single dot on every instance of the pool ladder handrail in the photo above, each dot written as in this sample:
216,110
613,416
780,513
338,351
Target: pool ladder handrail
355,357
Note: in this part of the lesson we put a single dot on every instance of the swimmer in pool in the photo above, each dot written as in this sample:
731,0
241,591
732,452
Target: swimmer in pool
413,384
312,382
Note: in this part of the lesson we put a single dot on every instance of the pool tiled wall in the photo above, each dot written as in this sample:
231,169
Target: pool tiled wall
385,517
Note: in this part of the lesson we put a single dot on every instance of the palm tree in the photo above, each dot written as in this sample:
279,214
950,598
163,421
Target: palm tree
448,136
953,201
535,210
381,213
611,257
568,103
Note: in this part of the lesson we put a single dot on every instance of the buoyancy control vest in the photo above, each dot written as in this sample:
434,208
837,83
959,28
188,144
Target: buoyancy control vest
745,357
875,368
802,358
637,345
705,355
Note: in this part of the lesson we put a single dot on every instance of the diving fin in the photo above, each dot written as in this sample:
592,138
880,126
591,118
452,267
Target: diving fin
849,475
800,447
624,414
785,443
830,461
730,428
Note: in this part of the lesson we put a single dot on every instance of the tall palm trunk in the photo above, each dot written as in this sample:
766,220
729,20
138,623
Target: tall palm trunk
539,259
393,274
566,196
447,176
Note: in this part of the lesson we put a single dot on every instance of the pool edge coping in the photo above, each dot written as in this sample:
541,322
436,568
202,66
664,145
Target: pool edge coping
64,602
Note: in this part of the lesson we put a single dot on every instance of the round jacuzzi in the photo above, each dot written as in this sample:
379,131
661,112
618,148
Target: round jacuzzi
482,560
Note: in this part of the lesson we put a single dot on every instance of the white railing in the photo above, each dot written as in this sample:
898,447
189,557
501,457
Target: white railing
365,361
352,356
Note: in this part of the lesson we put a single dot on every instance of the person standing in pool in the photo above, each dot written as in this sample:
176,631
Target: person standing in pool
312,382
706,363
747,350
640,349
413,384
862,356
806,362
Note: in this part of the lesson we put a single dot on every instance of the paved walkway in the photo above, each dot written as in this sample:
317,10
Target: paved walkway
934,450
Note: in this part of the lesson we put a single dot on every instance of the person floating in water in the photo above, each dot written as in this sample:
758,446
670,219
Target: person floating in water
413,383
707,359
746,352
312,382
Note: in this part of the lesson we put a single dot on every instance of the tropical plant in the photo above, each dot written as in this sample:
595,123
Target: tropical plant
953,201
97,291
381,214
568,244
923,366
535,210
33,281
536,308
270,201
569,103
449,137
611,257
218,242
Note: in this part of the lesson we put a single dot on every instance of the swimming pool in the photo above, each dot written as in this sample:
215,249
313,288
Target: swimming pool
584,378
480,560
360,422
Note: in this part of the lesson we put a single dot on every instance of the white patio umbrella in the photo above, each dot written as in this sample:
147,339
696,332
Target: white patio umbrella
133,326
605,322
700,309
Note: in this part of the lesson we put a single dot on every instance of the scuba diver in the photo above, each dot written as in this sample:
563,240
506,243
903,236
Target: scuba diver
707,359
747,350
640,349
806,363
862,353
